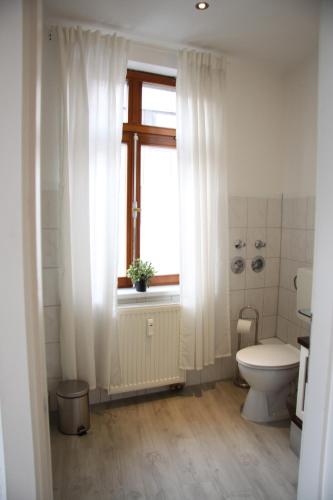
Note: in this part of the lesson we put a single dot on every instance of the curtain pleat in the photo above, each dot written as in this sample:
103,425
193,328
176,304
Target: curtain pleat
204,242
93,73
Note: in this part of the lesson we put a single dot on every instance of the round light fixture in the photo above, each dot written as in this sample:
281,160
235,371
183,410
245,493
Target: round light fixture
202,5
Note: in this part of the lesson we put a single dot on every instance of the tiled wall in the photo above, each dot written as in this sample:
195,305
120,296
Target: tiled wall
50,240
254,219
270,291
296,251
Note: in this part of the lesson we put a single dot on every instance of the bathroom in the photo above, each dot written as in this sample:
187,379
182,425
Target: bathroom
171,420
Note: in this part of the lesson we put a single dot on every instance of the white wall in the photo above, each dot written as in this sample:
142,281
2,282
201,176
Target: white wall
316,464
15,397
2,464
300,128
272,128
254,103
24,412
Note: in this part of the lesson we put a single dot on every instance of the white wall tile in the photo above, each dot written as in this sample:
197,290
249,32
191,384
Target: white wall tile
237,301
273,242
294,244
94,396
53,367
104,396
297,249
309,246
310,215
292,307
237,233
213,372
283,306
237,211
294,265
288,272
285,243
228,367
254,234
282,328
255,298
51,322
50,287
287,213
234,336
254,280
50,210
300,212
292,311
284,273
257,210
237,281
274,212
270,301
193,377
272,271
268,327
294,213
293,332
50,247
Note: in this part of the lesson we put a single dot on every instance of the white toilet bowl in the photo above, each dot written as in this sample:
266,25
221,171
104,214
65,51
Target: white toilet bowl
268,369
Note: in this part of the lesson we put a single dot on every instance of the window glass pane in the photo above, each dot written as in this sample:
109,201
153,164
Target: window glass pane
122,213
158,105
125,105
159,238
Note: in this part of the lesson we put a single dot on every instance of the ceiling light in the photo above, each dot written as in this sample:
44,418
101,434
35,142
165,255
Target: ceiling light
202,5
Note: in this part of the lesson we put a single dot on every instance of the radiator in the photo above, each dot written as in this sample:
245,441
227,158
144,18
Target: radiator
149,356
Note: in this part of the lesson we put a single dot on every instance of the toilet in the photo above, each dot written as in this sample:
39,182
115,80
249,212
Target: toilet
268,369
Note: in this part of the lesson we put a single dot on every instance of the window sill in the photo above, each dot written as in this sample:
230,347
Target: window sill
168,294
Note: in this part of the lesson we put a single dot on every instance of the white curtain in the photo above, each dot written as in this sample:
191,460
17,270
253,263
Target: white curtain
205,324
93,70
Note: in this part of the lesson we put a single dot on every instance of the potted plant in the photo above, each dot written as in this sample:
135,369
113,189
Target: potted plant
140,273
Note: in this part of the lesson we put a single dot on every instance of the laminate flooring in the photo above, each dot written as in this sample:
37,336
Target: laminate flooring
192,445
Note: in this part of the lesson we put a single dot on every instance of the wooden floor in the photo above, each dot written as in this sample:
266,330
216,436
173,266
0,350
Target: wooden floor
190,445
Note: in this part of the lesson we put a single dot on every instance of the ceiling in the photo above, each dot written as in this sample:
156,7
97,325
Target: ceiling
283,32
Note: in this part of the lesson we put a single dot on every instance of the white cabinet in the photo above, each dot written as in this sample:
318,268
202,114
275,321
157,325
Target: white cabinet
302,382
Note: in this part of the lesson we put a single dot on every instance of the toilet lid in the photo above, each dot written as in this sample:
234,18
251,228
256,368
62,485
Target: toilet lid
269,356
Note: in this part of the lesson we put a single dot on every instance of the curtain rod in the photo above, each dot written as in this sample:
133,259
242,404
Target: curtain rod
139,40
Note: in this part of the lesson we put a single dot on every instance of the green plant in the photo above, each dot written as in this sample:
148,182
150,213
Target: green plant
140,270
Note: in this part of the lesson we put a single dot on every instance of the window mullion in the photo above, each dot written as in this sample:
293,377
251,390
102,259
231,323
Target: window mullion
135,197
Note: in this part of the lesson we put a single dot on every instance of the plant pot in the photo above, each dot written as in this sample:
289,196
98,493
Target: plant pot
141,286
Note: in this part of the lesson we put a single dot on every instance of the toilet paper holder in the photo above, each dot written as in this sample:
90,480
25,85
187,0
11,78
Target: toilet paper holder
238,380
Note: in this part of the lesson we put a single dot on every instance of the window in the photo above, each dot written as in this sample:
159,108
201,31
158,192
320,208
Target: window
149,220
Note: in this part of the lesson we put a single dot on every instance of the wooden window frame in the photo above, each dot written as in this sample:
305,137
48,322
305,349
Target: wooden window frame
147,135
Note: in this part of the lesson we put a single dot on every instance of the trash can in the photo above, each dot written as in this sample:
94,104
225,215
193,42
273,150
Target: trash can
73,406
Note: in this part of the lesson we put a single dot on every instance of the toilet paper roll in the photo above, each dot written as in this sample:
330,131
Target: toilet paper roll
244,326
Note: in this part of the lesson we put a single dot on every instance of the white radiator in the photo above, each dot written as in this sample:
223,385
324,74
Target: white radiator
149,356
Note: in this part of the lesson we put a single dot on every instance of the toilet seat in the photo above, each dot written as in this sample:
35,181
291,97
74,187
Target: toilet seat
269,356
